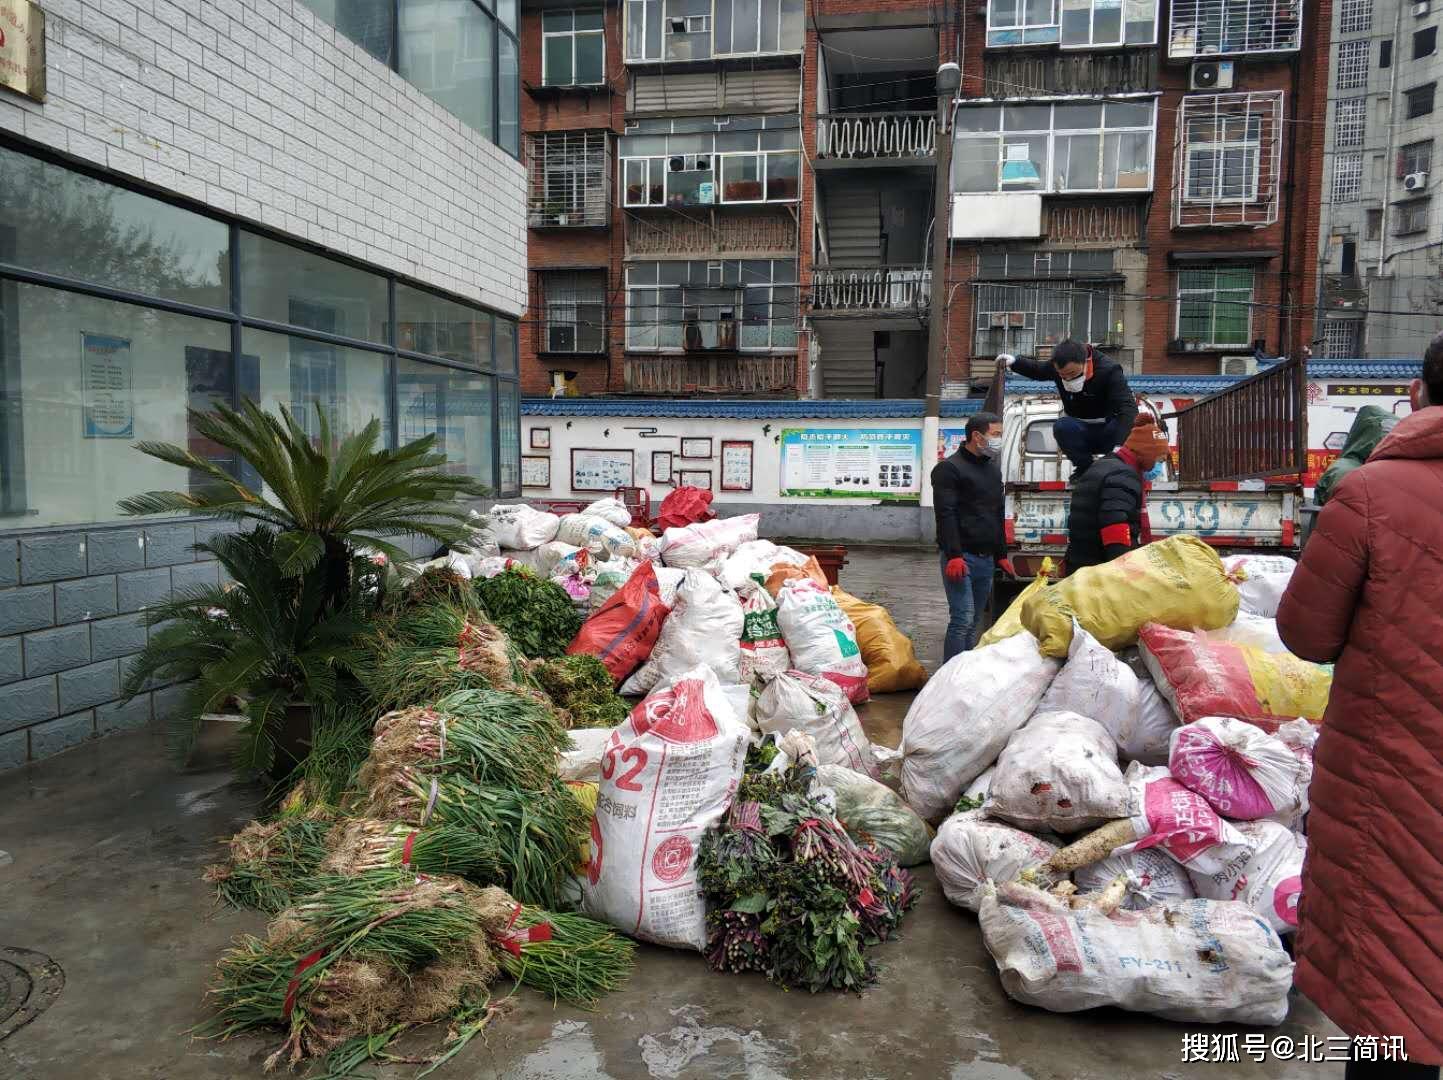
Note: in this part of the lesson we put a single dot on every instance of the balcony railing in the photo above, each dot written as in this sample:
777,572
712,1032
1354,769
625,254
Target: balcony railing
710,375
872,136
897,290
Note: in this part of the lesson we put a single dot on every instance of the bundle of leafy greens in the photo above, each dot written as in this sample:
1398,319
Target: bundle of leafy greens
792,894
535,613
582,687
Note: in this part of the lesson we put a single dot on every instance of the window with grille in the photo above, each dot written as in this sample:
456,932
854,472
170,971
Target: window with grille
1199,28
1374,224
746,305
1420,100
1353,64
1355,16
1079,24
1214,306
1023,316
1348,123
568,179
1415,158
573,48
1340,339
1425,42
1347,176
688,162
1410,217
1228,160
573,311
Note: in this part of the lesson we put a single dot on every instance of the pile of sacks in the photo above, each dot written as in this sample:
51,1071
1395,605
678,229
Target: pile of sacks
1120,781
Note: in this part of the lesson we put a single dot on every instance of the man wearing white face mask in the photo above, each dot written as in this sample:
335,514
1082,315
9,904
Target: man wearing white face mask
967,493
1098,405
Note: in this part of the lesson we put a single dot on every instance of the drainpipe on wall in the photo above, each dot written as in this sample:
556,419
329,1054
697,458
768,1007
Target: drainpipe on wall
1389,161
949,83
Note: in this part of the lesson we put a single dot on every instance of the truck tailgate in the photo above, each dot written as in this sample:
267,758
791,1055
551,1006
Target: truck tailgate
1262,518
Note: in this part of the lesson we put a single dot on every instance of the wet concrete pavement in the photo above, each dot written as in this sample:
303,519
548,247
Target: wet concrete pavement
108,843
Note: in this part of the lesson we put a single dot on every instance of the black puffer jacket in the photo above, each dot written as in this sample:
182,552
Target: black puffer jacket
1105,396
967,493
1109,492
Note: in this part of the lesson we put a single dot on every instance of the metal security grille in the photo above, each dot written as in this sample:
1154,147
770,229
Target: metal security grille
568,181
1204,28
1355,16
1349,123
1353,64
1340,339
1347,176
1214,306
574,305
1027,316
1228,160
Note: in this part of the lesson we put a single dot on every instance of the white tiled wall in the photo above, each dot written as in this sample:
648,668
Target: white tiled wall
258,109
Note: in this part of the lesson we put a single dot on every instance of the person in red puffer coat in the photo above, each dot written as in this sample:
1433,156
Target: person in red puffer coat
1367,595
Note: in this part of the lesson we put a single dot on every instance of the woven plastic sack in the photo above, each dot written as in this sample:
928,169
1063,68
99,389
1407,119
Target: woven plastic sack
754,559
624,630
821,638
891,661
697,545
1010,621
1179,581
816,706
668,773
684,506
609,509
1202,676
1198,961
764,653
1241,770
1266,873
596,535
960,721
581,760
1098,684
1261,581
807,570
606,577
1171,818
1059,772
648,544
873,813
522,528
705,627
1254,630
1152,878
970,850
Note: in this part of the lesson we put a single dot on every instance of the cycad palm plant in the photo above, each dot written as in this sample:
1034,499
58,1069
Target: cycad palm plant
270,639
322,505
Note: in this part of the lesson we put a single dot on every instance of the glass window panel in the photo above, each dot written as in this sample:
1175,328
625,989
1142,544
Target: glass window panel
556,61
791,25
60,222
297,374
643,145
453,405
1024,163
783,176
1129,114
81,381
744,25
1005,12
433,324
590,59
690,187
742,178
1027,118
508,421
771,27
506,12
975,164
1079,167
287,284
676,273
1076,26
1077,117
1106,22
988,118
1126,162
557,22
448,53
1040,12
589,20
505,345
369,23
728,141
1141,30
509,97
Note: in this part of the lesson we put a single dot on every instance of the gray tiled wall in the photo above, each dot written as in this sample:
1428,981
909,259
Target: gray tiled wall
72,613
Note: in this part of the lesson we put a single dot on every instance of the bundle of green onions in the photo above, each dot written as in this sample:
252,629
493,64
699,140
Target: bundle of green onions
270,863
540,831
567,957
359,845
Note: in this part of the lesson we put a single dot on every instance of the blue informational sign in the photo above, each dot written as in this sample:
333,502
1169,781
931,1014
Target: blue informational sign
858,463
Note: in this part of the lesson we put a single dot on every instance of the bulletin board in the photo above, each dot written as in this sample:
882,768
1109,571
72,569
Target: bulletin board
736,465
535,471
601,470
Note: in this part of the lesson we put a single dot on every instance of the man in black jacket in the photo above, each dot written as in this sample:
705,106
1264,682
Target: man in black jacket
1107,517
967,493
1098,404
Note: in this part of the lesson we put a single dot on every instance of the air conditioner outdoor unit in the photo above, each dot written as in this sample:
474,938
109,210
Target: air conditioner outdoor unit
1420,9
1211,75
1415,181
997,318
1238,365
1017,318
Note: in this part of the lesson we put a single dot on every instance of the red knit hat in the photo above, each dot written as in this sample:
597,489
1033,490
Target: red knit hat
1147,440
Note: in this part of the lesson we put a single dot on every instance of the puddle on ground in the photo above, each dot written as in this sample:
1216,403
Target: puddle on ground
982,1069
569,1052
668,1056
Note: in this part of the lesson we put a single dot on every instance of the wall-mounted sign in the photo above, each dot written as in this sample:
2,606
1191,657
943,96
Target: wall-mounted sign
1368,390
601,470
22,48
105,382
950,440
858,463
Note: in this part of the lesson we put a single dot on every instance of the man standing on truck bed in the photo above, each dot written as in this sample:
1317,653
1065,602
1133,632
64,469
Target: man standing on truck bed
1098,405
1107,516
1365,596
967,494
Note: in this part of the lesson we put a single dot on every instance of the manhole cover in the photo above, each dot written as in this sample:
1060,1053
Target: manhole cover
29,984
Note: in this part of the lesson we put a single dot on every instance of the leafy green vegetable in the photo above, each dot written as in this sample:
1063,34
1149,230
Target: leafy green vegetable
965,804
536,614
583,687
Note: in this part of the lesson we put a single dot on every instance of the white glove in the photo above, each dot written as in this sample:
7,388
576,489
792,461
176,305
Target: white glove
1008,359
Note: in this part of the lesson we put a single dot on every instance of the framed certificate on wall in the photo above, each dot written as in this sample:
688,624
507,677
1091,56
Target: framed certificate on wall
661,467
535,472
699,449
697,478
736,465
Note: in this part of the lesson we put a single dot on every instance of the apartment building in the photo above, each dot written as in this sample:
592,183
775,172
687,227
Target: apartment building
1380,253
1143,177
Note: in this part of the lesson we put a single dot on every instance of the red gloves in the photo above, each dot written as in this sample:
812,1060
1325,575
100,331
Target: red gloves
1006,565
956,569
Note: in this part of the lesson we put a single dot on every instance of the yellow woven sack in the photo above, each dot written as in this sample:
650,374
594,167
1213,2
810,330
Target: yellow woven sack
1179,582
891,662
586,794
1010,621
